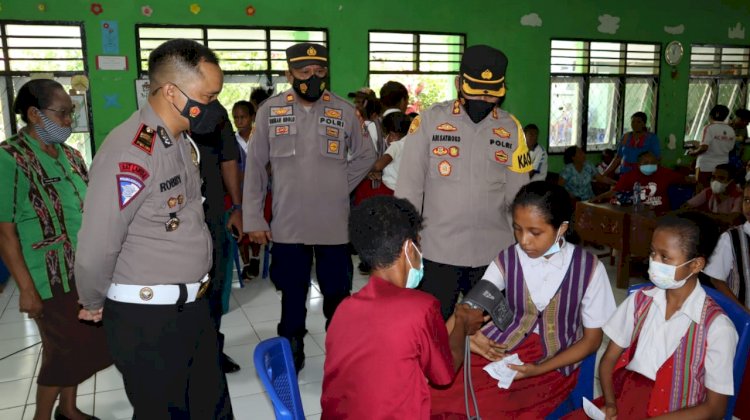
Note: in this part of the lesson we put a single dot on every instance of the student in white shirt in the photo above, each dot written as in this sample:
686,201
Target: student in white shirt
538,154
395,126
717,141
560,296
671,347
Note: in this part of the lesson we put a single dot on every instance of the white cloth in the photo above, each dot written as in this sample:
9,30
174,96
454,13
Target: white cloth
720,140
372,130
722,260
389,111
241,142
499,370
543,277
539,163
390,172
659,337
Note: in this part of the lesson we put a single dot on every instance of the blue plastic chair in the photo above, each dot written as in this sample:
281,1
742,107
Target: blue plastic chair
275,367
741,321
584,388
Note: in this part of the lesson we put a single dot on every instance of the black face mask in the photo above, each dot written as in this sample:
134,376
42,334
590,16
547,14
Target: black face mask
478,109
203,118
310,89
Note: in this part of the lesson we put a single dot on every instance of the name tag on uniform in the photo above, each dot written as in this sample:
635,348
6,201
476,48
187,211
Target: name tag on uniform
287,119
48,181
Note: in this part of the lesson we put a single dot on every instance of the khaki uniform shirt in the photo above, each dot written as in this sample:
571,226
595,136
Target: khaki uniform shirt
463,177
318,156
140,178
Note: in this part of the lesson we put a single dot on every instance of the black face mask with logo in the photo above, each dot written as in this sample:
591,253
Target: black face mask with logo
203,118
310,89
477,109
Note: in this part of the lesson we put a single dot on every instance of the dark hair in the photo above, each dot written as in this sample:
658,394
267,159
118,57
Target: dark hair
743,114
178,55
531,126
413,114
608,151
244,104
259,94
644,153
392,93
698,232
369,105
726,167
379,226
569,154
719,113
396,122
552,200
642,115
36,93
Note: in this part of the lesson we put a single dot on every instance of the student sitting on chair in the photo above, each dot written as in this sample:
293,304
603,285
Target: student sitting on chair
671,346
654,181
723,199
560,296
387,340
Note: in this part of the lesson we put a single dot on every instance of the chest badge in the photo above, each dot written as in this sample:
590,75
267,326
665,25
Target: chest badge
447,127
173,223
501,156
501,132
445,168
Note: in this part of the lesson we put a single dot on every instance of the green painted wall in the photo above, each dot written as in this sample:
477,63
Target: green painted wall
494,22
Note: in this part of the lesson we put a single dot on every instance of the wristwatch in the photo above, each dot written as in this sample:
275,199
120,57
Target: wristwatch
236,207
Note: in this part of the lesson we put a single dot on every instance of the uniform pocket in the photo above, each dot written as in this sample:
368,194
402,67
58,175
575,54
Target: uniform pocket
446,162
331,143
282,139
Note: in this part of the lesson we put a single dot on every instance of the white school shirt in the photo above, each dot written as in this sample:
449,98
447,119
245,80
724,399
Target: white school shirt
241,141
659,338
539,163
720,139
390,172
543,277
722,260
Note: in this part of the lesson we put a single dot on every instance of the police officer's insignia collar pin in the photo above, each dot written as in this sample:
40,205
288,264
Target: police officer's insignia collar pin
487,74
164,137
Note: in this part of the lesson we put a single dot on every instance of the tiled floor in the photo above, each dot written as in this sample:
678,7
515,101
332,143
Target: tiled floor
254,312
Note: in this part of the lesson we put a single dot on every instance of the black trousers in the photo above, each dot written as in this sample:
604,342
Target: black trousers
220,242
445,281
290,273
168,360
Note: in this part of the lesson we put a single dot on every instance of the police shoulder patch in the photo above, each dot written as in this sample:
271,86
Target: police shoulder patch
128,187
144,139
415,124
134,168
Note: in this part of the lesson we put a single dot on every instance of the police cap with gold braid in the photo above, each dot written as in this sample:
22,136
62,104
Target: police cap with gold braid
483,71
305,54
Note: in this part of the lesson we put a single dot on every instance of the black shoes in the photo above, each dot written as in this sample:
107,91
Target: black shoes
298,351
60,416
228,365
251,270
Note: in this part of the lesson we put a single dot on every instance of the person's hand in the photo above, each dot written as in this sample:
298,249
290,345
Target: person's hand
93,316
31,303
375,176
260,237
486,348
610,412
471,319
235,221
525,371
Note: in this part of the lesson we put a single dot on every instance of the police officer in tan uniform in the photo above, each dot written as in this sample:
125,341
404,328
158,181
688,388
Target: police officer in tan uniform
144,248
463,163
318,156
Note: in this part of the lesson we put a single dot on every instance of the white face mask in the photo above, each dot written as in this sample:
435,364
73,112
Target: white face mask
747,176
718,187
662,275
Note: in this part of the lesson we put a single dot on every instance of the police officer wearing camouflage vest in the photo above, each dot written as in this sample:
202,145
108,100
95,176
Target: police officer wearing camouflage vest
463,163
144,249
317,153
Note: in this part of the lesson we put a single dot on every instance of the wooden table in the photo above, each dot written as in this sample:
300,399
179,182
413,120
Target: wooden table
618,227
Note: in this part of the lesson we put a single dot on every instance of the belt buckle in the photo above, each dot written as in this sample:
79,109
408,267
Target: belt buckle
203,288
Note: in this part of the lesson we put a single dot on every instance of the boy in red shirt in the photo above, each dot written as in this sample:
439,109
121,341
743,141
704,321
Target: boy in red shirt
387,340
654,180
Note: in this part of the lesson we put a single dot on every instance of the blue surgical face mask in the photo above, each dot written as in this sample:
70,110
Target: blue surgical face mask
415,275
555,248
648,169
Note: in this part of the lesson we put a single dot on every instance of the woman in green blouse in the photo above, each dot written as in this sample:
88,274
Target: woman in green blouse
43,185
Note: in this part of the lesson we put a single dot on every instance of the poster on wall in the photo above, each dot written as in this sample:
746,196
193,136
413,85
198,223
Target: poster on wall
141,91
81,115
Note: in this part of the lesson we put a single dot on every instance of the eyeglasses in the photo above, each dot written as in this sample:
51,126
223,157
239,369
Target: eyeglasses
64,113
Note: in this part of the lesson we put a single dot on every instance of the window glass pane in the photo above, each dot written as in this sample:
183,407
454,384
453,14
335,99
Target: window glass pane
391,37
170,33
568,57
397,52
731,93
565,112
604,102
424,90
640,96
700,102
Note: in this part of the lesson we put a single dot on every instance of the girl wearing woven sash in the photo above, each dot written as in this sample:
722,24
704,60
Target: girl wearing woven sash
43,187
561,297
671,346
